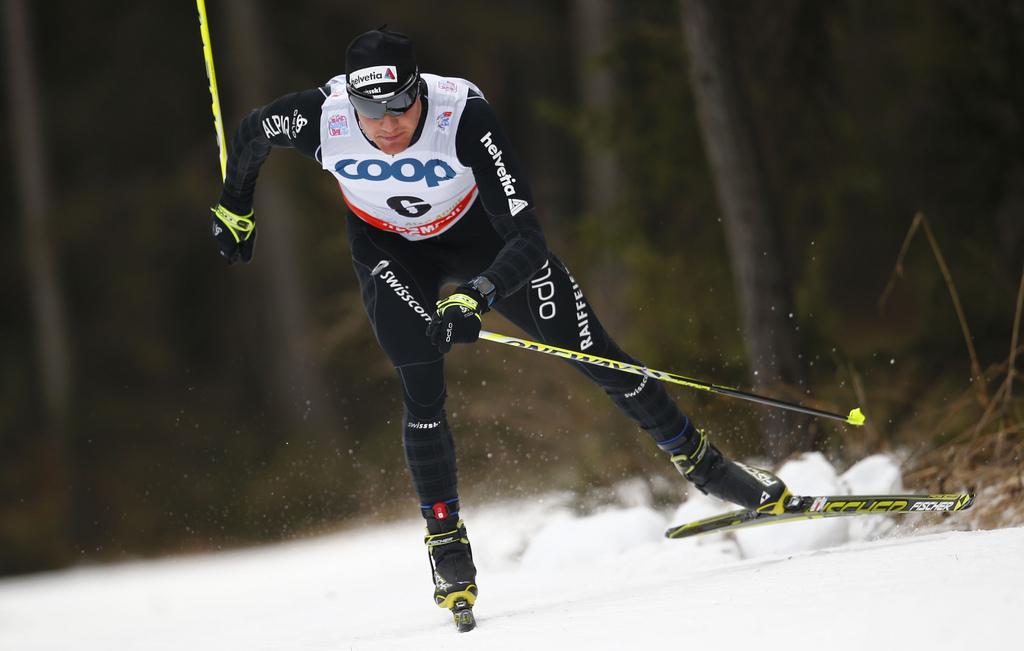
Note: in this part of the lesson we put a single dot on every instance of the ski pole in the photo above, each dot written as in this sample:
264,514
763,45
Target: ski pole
218,123
855,417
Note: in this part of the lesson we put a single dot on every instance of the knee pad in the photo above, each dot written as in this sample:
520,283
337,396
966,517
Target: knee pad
423,389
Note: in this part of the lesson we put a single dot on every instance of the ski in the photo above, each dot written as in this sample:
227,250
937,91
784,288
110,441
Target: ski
824,506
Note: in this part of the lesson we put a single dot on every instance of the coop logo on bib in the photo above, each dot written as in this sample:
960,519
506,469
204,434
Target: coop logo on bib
373,75
406,170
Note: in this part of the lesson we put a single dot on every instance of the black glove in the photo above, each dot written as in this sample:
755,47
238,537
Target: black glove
458,319
235,234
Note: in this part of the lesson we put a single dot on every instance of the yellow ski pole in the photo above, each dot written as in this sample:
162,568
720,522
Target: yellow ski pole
218,122
856,417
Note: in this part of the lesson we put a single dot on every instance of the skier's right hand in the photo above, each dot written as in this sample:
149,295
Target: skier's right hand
235,234
457,320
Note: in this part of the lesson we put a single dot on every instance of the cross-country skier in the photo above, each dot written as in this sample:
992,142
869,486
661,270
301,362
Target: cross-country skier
435,194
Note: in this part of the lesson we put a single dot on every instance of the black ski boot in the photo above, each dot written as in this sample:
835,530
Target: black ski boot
713,473
451,562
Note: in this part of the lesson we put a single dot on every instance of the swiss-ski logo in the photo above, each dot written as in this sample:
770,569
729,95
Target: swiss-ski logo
415,425
635,392
444,120
337,125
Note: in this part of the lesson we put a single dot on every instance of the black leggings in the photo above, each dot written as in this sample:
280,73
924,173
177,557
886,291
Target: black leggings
400,281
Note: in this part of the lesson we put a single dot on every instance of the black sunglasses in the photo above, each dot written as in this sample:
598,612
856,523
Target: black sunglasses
395,105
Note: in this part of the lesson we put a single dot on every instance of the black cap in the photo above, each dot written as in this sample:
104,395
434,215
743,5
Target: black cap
380,63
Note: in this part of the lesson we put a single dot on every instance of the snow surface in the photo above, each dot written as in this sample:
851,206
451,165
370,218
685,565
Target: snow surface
551,578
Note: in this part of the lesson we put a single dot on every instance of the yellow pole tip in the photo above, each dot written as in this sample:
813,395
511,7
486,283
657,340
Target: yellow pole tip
856,417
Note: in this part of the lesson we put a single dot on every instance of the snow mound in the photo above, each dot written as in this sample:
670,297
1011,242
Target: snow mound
872,475
568,541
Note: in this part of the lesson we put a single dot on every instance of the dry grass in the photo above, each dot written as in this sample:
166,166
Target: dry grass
975,443
920,221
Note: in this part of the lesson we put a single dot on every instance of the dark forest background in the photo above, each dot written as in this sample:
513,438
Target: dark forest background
153,400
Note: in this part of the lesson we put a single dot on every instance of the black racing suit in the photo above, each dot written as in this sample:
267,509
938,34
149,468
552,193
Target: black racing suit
400,280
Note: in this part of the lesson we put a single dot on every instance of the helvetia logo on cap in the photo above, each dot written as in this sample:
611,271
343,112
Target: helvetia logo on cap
373,75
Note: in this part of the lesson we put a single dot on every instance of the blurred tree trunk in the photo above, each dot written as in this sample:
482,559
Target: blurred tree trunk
593,22
35,190
751,225
62,507
292,383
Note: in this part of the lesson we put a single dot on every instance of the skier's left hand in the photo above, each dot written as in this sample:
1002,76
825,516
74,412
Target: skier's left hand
457,320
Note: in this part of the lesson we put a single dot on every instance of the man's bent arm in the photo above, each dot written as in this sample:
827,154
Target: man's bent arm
506,196
290,121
